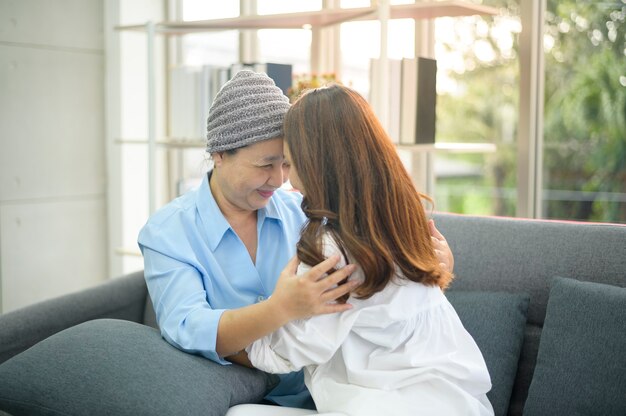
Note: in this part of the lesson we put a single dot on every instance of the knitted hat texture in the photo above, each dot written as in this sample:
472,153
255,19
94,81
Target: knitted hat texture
249,108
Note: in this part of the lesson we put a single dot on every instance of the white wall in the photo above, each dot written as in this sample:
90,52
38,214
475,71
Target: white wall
53,231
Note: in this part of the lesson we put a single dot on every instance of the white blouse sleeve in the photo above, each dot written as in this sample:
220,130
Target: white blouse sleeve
306,341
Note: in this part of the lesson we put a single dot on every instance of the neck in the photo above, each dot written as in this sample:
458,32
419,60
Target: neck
243,222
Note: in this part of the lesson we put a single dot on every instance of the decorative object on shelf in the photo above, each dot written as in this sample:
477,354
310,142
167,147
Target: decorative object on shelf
303,82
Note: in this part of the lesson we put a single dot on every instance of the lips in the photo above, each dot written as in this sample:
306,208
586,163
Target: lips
266,194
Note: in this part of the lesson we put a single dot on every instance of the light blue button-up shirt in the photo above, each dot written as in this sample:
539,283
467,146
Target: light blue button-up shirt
196,267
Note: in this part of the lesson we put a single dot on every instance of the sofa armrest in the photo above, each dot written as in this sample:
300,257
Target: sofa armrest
120,298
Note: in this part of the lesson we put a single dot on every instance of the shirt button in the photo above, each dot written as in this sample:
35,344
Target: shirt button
261,298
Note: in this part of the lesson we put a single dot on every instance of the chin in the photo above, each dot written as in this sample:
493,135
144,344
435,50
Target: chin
259,203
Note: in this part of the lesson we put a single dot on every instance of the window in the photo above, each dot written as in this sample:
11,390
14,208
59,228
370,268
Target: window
584,160
478,92
286,46
217,48
584,146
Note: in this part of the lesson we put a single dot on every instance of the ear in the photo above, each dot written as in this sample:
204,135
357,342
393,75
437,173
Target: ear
218,158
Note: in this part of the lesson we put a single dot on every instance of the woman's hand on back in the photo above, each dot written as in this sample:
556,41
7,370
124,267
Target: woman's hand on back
442,250
312,293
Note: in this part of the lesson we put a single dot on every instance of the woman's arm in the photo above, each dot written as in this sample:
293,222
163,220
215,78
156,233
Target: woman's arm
295,297
305,341
190,323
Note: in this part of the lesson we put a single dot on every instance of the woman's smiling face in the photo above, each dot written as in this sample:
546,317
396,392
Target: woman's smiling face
249,177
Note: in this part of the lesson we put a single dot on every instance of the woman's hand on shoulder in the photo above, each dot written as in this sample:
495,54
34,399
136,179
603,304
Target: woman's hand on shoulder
312,293
442,250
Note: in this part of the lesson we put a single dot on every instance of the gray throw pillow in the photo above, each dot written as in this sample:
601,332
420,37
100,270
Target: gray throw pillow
496,321
581,369
115,367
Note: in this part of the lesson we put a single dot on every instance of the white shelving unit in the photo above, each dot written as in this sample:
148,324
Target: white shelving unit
315,21
323,18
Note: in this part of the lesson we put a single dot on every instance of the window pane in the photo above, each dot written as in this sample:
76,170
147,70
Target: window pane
286,46
287,6
214,48
584,175
360,43
477,102
217,49
202,10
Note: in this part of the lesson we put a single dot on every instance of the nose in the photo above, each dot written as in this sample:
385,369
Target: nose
277,177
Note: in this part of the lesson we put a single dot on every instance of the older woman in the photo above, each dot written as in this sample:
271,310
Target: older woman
219,261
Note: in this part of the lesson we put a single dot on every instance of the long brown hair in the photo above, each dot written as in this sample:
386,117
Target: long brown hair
357,189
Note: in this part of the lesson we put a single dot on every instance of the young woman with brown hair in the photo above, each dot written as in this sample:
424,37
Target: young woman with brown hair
401,349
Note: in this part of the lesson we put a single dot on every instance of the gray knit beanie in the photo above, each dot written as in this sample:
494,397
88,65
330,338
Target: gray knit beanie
248,109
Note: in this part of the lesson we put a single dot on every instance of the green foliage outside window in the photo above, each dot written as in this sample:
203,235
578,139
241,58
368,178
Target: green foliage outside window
584,160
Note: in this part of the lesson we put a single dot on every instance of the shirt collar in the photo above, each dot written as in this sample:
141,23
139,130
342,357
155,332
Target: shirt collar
215,224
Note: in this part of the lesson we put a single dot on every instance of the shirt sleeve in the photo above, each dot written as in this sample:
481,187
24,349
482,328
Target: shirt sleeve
185,317
303,342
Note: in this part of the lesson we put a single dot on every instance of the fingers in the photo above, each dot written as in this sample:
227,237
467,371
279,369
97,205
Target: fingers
292,265
337,292
434,232
319,270
442,251
439,241
439,244
335,307
331,287
337,276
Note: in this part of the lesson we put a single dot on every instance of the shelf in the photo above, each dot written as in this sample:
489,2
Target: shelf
275,21
321,18
434,147
449,147
434,9
171,143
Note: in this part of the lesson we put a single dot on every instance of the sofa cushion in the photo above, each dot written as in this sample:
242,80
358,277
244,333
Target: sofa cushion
496,320
580,364
115,367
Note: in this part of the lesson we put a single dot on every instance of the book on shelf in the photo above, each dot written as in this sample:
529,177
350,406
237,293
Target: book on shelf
419,101
282,74
390,99
192,90
395,103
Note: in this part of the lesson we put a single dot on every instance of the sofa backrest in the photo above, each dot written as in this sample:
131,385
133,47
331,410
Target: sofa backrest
522,256
115,299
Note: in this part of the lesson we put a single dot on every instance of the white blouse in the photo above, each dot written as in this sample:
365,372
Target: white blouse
403,351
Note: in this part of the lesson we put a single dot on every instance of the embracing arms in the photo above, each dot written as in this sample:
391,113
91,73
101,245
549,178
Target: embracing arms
188,321
295,297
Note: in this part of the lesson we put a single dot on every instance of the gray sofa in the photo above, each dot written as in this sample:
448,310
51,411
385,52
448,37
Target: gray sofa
545,301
